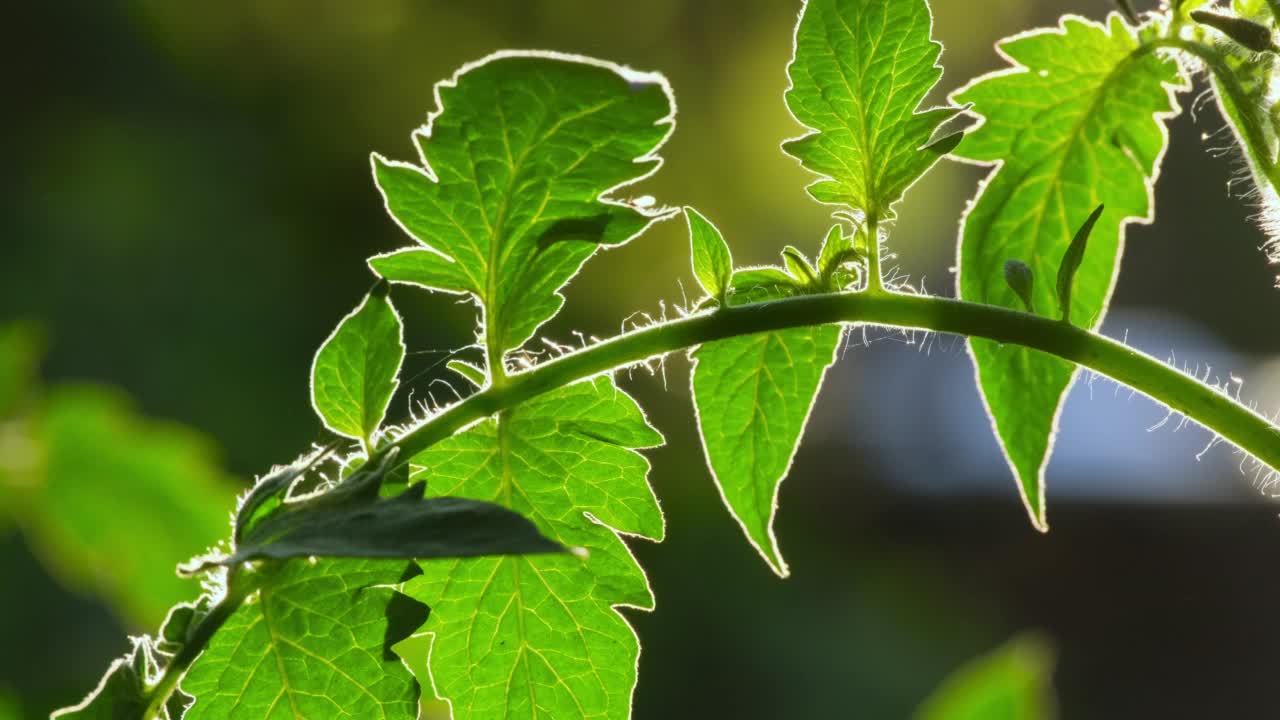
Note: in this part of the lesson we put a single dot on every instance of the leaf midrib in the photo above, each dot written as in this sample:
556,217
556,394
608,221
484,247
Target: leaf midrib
1064,149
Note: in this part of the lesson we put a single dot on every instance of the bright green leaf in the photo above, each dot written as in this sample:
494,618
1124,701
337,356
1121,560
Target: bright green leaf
471,373
712,262
1013,682
760,284
798,267
355,371
753,395
837,249
1074,125
514,191
861,70
538,637
119,501
313,642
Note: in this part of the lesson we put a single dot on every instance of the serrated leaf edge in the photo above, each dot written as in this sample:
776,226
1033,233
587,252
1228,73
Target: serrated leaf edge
780,567
1039,519
810,131
631,75
622,535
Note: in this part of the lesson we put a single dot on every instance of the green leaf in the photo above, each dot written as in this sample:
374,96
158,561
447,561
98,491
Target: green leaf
354,373
1013,682
314,641
119,501
712,262
760,284
514,193
1074,124
538,636
753,395
1253,73
1250,35
120,694
837,249
861,70
1070,265
405,526
471,373
799,268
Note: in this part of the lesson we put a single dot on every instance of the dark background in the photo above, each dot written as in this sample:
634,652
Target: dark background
187,205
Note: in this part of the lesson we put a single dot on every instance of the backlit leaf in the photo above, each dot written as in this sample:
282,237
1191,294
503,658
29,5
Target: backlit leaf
539,636
1074,124
861,70
753,395
313,642
354,374
514,190
712,261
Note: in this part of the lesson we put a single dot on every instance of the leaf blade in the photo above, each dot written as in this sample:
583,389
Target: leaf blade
356,370
1075,122
519,163
749,446
537,637
860,71
402,527
315,642
712,261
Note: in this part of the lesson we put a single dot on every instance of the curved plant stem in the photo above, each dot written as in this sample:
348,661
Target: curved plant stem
1219,413
203,632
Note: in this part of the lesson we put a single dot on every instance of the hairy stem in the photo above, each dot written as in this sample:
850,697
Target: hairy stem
1252,131
200,637
1216,411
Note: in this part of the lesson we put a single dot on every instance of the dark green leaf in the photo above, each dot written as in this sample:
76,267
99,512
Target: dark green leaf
1071,260
1022,281
1251,35
405,526
1075,123
120,694
354,374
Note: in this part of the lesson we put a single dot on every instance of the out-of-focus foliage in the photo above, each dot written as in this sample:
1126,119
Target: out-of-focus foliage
1013,682
112,501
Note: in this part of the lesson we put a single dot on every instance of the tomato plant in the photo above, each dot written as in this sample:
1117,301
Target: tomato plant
495,525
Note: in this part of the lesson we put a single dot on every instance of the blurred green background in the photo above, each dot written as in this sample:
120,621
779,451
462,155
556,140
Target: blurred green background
186,214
